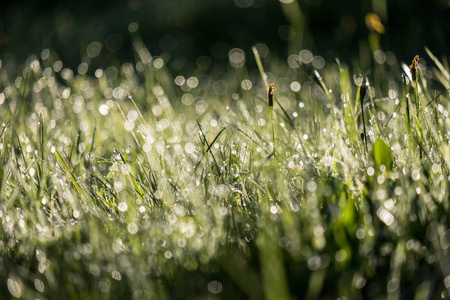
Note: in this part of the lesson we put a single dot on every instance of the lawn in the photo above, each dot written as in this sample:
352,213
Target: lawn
132,182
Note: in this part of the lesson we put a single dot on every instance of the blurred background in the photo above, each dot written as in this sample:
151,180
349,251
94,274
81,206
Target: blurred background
189,33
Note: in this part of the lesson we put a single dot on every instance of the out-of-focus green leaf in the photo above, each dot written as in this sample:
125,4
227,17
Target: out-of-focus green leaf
382,154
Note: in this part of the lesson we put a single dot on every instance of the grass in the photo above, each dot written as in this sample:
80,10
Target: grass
135,183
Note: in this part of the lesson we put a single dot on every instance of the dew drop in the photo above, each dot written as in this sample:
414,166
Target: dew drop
123,206
132,228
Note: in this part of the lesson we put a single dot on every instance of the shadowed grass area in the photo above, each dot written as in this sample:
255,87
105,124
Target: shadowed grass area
138,183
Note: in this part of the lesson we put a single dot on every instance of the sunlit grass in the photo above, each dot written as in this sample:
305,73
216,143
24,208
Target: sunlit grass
138,183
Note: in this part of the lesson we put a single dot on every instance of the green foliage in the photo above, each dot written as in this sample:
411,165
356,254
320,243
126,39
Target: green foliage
382,155
135,184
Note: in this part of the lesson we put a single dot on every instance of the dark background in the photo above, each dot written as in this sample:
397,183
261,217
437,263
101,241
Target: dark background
186,29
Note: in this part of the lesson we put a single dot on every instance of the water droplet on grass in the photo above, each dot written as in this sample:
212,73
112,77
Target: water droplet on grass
123,206
393,285
311,186
273,209
39,285
214,287
314,263
295,86
435,168
14,287
116,275
132,228
168,254
328,161
386,217
415,175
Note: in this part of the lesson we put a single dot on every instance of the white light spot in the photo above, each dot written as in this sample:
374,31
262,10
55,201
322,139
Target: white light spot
435,168
14,287
318,63
415,175
147,147
94,49
98,73
179,80
360,233
311,186
236,57
158,63
189,148
306,56
273,209
116,275
129,125
104,109
393,285
125,169
39,285
214,287
318,230
158,194
132,115
187,99
447,282
295,86
386,217
341,255
118,186
314,263
132,228
246,84
389,204
132,27
123,206
168,254
328,161
192,82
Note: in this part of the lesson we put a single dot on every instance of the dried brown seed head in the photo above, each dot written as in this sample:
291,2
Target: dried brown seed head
413,67
270,94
